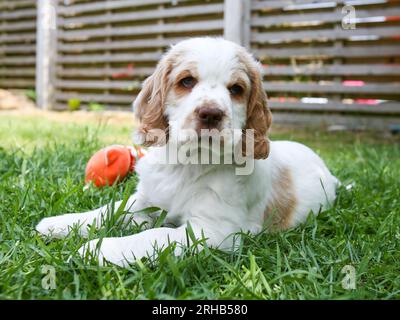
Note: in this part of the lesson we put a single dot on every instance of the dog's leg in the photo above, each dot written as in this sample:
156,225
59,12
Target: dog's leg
60,226
125,250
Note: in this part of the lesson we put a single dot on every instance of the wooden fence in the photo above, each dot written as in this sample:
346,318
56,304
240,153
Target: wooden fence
329,56
331,61
17,43
106,48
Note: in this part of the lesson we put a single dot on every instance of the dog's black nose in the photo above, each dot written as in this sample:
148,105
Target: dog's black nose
210,116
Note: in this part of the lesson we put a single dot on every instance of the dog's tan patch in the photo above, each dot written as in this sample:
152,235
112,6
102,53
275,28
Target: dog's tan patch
259,116
239,77
279,212
190,70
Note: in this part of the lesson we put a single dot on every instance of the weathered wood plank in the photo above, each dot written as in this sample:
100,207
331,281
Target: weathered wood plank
324,17
120,85
288,5
386,88
102,72
334,106
11,5
140,30
107,5
17,61
95,58
99,98
62,106
118,44
328,34
25,25
142,15
28,48
21,37
17,83
16,72
336,70
316,52
349,121
18,14
293,5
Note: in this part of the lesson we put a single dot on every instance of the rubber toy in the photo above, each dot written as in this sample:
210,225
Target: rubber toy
112,164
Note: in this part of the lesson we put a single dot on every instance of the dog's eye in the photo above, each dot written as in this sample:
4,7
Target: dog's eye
188,82
235,90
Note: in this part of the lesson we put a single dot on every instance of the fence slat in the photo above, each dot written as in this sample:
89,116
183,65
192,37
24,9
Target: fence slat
108,5
354,121
323,17
16,83
28,48
344,70
316,52
12,5
15,72
118,45
151,29
19,14
119,85
293,5
102,72
334,106
30,25
98,98
18,61
287,36
392,89
151,56
24,37
142,15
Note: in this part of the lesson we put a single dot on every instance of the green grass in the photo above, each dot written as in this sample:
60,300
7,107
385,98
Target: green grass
41,174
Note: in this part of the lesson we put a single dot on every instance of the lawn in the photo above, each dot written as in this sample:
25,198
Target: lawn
42,160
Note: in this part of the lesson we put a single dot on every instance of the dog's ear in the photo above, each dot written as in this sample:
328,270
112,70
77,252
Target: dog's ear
149,106
259,116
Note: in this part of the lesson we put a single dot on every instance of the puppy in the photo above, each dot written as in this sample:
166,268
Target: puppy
204,85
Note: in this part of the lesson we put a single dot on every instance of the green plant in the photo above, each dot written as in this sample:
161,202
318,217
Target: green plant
93,106
74,104
31,94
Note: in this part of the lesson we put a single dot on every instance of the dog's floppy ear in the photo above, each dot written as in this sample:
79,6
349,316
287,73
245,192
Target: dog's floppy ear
149,105
259,116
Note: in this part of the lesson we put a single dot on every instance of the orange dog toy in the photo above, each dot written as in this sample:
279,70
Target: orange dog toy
112,164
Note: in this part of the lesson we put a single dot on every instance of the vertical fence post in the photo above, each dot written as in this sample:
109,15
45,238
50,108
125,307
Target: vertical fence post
237,21
46,40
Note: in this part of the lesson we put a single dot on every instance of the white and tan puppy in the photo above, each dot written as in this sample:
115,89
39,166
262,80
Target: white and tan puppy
208,84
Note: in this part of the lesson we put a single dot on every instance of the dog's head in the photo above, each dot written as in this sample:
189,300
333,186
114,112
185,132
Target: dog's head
205,83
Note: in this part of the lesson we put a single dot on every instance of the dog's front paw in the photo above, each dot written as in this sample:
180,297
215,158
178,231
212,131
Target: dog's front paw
60,226
55,227
119,251
107,249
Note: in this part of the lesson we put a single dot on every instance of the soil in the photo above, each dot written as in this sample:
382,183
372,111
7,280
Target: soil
14,100
16,103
